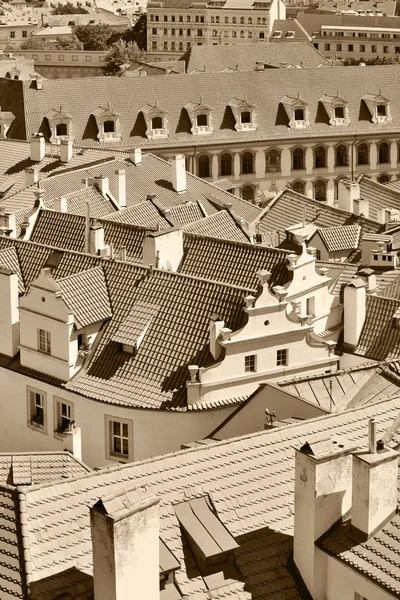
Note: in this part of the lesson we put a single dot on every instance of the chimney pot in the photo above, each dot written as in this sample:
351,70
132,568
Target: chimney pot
136,156
120,187
37,147
179,173
66,151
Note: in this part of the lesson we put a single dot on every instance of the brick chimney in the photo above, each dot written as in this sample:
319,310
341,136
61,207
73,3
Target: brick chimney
125,540
179,173
163,249
73,440
9,313
348,192
38,147
31,176
66,151
120,187
354,311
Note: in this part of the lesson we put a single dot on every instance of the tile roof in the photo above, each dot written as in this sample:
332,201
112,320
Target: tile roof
232,262
220,225
184,214
243,57
378,196
36,468
377,557
144,214
86,294
136,323
340,273
81,96
250,481
9,259
380,338
314,21
340,238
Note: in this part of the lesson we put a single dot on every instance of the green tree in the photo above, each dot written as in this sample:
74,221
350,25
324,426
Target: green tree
63,43
138,33
120,53
69,9
94,37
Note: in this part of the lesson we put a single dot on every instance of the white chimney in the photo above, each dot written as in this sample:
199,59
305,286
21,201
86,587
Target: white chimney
216,324
66,151
73,440
8,224
348,192
9,313
354,311
179,173
369,278
136,156
102,183
164,249
322,497
38,147
361,207
61,204
31,176
125,532
375,474
120,187
96,241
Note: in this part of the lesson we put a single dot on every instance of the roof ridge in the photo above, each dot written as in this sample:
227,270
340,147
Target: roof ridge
235,242
362,367
97,268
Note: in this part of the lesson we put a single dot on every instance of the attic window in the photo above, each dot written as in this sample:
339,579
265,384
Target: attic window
379,108
339,112
245,117
200,117
299,114
244,113
202,121
133,329
156,121
61,129
108,124
60,124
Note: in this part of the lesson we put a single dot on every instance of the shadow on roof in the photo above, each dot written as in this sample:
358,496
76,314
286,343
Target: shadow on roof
75,583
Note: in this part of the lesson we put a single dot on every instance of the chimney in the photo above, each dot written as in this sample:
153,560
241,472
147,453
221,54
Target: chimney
375,474
102,183
136,156
66,151
369,278
9,314
179,173
96,241
73,440
348,192
125,532
37,81
216,324
120,187
60,204
322,497
164,249
7,224
31,176
361,207
38,147
354,311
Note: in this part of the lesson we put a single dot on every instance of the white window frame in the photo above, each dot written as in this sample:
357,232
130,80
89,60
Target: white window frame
250,363
58,415
44,341
111,437
36,399
282,357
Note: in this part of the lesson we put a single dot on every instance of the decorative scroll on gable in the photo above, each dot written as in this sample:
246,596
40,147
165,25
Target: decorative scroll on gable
379,107
337,109
60,124
297,112
200,117
108,124
244,113
156,121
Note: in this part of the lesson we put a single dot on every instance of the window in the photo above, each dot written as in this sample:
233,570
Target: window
310,306
234,34
165,31
339,112
180,31
316,45
200,32
299,114
201,19
12,34
61,129
242,20
242,34
233,20
156,123
281,357
250,363
109,126
298,159
173,18
319,157
202,120
63,414
248,193
339,47
383,178
245,117
383,153
154,45
188,19
165,17
37,409
397,50
264,21
385,49
247,163
299,187
327,46
189,32
381,110
217,19
362,47
351,48
173,31
180,19
373,49
154,31
362,154
320,190
226,164
165,45
226,19
156,18
44,341
204,166
172,45
261,35
24,33
341,156
120,439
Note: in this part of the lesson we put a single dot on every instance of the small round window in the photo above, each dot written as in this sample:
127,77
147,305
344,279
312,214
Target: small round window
266,323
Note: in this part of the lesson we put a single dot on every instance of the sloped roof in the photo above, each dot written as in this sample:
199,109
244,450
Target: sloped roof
81,96
137,321
243,57
378,196
144,214
86,295
340,238
314,21
9,259
36,468
220,225
379,339
250,481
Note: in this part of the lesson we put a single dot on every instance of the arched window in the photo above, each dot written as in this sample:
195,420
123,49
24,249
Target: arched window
248,193
156,123
245,117
320,190
383,153
384,178
339,112
258,20
272,161
299,114
247,163
109,126
298,159
242,34
319,157
242,20
341,156
202,120
264,21
61,129
299,187
204,166
362,154
226,164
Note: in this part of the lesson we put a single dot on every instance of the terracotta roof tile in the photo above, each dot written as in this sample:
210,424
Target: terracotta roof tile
9,259
220,225
380,337
340,238
378,195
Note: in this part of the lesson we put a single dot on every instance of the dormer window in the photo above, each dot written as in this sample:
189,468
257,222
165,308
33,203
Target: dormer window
60,124
6,119
379,108
132,331
108,124
297,112
200,117
337,109
244,113
156,121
